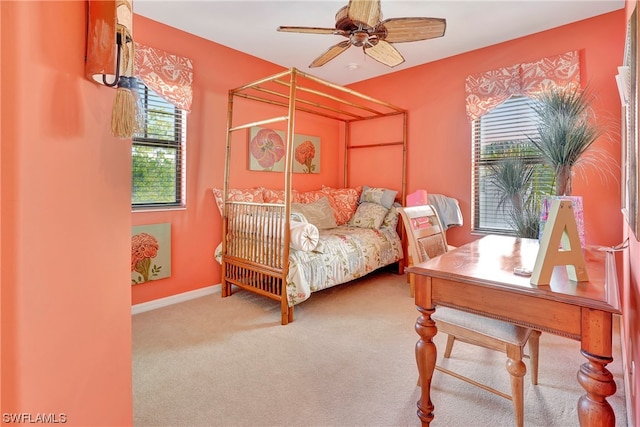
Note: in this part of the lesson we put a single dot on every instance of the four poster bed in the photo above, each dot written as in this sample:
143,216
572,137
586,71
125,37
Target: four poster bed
285,244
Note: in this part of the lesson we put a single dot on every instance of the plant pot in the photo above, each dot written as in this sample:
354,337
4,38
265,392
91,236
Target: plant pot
578,213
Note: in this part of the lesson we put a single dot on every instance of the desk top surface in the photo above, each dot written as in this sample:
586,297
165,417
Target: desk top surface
490,262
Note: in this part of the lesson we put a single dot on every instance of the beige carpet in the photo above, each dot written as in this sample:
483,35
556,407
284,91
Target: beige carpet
347,360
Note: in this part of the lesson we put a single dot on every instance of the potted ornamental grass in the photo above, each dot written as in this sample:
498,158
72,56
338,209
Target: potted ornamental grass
513,177
567,128
566,131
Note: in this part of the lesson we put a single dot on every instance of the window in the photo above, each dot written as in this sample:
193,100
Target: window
508,175
158,154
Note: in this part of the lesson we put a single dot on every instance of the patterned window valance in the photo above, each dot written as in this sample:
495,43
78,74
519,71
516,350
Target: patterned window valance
170,76
487,90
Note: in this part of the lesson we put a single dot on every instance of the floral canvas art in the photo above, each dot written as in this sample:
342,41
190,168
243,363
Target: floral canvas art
150,252
267,149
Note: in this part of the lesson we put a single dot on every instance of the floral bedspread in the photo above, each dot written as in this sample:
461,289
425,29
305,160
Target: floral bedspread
343,254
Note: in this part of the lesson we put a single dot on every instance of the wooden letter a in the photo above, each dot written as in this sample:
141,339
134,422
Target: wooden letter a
560,245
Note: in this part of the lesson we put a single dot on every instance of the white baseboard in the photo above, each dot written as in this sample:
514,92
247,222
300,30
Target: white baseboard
174,299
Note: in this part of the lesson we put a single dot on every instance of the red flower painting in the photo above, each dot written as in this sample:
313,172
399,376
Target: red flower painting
305,153
267,148
144,247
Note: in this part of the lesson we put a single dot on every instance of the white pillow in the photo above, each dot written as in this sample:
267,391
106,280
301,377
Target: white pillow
304,236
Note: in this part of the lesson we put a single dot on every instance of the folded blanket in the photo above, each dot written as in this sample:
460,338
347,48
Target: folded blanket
304,236
447,208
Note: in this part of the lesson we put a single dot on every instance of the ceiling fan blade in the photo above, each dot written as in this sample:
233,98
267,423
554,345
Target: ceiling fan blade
310,30
365,11
385,53
413,29
331,53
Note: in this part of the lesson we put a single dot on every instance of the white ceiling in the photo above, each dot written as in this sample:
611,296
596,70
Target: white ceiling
250,27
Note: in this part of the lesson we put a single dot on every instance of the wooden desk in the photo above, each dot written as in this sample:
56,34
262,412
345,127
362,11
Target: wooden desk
478,277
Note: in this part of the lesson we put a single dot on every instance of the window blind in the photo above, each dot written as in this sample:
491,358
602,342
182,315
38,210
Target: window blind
504,133
158,153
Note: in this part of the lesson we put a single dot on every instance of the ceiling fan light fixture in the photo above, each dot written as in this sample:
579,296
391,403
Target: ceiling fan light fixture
359,38
360,22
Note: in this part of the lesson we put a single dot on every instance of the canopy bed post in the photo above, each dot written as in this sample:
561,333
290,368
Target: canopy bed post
345,177
404,158
286,311
226,286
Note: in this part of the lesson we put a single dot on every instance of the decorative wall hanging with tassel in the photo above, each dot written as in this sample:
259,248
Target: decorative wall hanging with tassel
110,59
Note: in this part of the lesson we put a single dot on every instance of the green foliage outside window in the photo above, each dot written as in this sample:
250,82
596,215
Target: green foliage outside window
157,154
154,175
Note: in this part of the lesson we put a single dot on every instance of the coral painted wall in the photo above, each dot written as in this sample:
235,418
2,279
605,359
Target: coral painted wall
66,184
440,135
195,231
1,219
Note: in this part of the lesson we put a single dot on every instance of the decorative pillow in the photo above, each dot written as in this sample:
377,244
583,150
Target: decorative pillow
239,195
369,215
318,213
391,219
345,202
315,195
312,196
381,196
277,196
304,236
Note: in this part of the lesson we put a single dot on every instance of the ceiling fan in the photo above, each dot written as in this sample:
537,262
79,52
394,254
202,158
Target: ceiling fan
361,23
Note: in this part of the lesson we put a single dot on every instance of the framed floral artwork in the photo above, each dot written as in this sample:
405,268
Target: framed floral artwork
267,149
150,252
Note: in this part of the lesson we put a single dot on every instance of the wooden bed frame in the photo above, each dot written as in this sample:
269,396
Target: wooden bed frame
257,260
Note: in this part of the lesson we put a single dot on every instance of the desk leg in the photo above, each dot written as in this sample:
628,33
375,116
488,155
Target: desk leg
426,358
593,376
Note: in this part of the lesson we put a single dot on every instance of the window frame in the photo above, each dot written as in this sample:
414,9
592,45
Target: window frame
512,122
148,99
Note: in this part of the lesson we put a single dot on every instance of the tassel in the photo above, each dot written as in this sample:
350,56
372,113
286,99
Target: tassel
124,115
